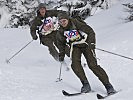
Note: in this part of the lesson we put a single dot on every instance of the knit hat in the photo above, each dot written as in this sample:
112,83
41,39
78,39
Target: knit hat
63,16
41,5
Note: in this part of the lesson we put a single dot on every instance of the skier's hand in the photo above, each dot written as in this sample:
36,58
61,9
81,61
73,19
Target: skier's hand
34,37
61,57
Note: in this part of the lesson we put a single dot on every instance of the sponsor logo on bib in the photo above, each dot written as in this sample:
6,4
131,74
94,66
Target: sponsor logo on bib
72,35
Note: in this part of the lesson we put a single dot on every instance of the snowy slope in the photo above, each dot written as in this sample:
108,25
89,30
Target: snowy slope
31,75
4,16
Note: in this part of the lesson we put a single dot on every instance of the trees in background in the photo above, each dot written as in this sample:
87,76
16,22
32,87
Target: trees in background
82,8
129,9
23,11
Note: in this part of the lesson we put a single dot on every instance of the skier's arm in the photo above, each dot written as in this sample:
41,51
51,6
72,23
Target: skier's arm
33,27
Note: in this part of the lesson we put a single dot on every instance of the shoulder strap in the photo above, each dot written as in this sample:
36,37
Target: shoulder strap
42,25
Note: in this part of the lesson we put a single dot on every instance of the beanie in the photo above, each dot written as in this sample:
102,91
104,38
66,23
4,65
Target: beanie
63,16
41,5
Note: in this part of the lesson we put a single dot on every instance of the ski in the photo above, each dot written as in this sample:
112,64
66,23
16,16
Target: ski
74,94
99,96
70,94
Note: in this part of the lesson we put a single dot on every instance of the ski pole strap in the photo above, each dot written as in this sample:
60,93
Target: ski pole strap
114,53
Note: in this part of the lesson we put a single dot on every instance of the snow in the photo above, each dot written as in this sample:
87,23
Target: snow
31,74
4,17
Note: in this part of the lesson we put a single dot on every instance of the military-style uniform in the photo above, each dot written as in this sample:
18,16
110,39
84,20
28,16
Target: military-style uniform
80,37
48,39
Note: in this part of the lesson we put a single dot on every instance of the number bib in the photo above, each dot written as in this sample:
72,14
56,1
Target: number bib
72,35
50,24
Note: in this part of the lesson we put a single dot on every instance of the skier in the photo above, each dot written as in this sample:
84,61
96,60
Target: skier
46,24
81,39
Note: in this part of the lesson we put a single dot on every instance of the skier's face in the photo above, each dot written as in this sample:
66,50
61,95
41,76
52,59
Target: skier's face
63,22
42,11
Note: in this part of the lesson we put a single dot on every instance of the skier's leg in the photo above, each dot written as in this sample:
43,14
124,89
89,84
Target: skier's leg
97,70
78,69
67,48
53,52
52,49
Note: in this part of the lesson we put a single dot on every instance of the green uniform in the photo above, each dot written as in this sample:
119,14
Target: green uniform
48,40
80,36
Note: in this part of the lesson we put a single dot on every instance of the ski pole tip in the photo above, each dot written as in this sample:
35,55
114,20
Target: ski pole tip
58,80
7,61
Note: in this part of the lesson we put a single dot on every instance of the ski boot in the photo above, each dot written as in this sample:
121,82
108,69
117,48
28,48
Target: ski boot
110,89
86,87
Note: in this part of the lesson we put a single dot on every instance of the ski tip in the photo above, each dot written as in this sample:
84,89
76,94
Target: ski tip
99,96
64,92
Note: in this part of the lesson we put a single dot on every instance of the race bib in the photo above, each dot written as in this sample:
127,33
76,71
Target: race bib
49,24
72,35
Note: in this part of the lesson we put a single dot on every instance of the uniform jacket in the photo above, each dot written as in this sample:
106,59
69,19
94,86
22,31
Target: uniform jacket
81,27
37,21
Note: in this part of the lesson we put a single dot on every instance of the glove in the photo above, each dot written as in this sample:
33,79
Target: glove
92,46
34,37
61,57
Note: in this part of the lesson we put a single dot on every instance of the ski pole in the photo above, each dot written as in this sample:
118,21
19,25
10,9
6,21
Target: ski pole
114,53
59,79
8,60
